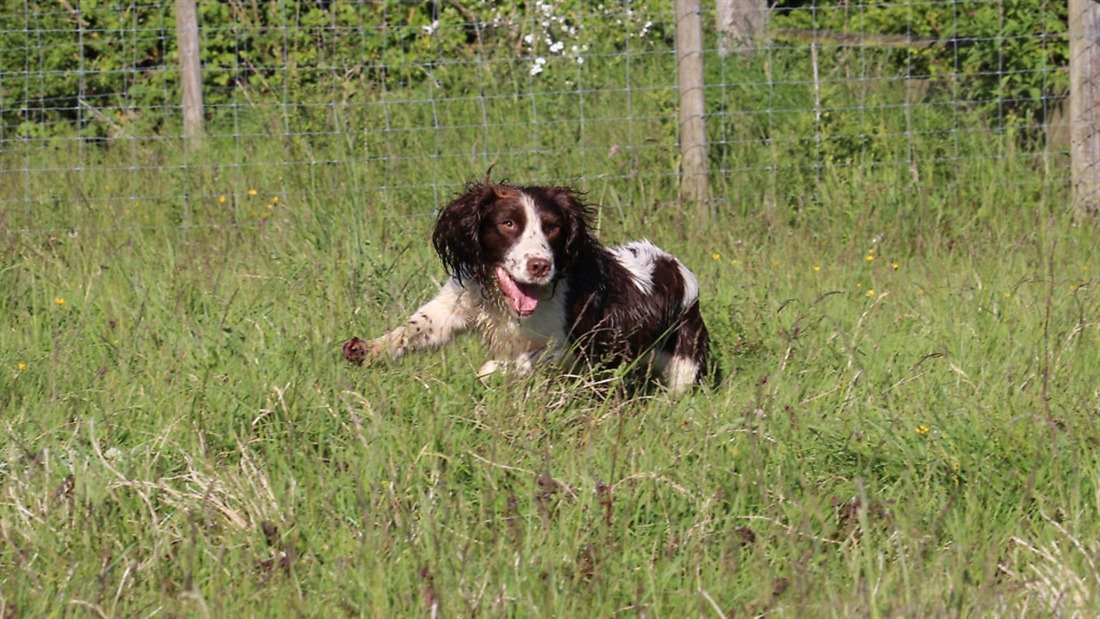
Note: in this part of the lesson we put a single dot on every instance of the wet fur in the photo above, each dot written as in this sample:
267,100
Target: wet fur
601,307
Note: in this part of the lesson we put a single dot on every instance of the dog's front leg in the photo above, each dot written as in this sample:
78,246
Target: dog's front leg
523,364
435,323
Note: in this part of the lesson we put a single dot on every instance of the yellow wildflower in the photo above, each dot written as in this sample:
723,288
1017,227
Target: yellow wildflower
59,301
22,366
252,192
922,430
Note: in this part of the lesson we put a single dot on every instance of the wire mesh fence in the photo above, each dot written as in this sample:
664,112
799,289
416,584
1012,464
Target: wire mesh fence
376,104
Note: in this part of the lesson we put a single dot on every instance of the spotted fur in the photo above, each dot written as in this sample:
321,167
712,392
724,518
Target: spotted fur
526,272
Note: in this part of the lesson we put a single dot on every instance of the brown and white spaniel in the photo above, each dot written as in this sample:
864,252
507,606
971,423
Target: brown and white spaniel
526,273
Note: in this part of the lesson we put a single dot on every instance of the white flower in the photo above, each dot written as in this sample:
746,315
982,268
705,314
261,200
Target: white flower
528,38
536,68
431,28
557,47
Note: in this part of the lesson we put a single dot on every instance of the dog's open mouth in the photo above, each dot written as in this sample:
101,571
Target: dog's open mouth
523,298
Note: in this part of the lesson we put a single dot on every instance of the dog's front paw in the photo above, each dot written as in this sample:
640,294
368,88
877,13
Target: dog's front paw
520,367
360,351
489,368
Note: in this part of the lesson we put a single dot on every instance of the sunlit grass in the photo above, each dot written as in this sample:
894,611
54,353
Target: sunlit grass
904,421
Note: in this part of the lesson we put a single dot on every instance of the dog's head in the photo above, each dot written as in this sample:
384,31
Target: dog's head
518,238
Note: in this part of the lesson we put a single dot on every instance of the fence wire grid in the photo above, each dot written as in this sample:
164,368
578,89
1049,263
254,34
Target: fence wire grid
396,102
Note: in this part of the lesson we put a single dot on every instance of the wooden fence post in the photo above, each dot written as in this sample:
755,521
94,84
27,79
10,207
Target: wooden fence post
693,136
742,25
1084,103
187,38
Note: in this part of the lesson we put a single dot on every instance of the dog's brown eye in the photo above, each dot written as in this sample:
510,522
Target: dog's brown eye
508,224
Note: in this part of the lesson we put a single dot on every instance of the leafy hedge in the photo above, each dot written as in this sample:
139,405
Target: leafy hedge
64,65
1008,57
96,65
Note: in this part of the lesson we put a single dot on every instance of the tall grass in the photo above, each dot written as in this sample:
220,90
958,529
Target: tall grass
905,422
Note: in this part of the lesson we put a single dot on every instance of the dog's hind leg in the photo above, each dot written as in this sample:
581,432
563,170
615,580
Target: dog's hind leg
685,361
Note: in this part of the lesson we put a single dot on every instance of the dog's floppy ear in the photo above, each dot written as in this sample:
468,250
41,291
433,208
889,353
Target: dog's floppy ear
576,218
458,226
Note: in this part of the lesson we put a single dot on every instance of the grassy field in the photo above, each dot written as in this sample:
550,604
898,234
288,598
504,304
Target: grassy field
905,424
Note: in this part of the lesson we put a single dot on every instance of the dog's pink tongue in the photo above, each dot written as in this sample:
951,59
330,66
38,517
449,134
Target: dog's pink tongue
522,297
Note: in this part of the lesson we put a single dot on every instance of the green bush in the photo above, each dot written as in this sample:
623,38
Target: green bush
103,65
96,66
1007,58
